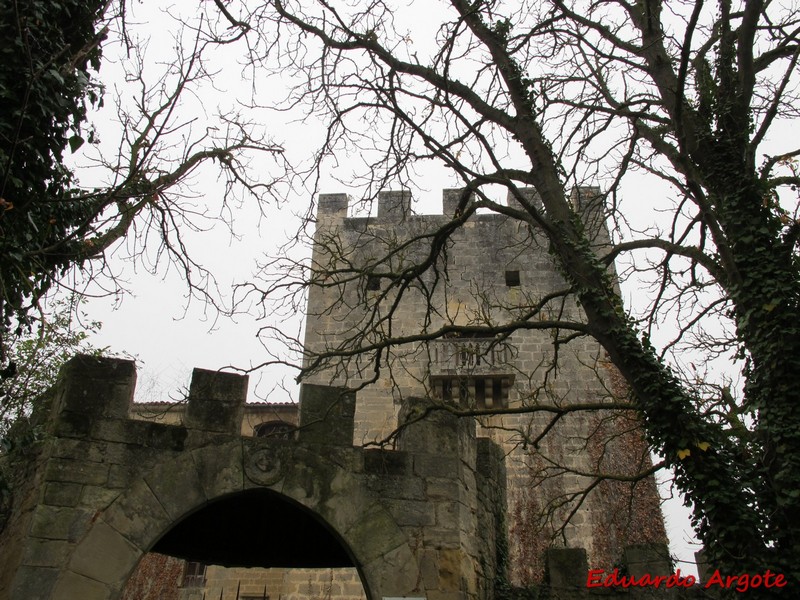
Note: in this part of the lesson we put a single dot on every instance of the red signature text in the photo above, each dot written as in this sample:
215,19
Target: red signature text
742,583
598,578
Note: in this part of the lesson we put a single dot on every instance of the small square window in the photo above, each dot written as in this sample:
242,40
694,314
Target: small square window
373,283
512,278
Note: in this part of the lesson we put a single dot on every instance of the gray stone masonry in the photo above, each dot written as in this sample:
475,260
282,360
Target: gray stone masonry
566,571
439,507
107,489
215,401
325,421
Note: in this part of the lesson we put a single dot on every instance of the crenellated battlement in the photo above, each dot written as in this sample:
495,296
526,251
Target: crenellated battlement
395,205
95,394
486,270
490,233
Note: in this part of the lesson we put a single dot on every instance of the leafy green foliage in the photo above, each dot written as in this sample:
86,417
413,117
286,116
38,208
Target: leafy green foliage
34,363
49,49
37,358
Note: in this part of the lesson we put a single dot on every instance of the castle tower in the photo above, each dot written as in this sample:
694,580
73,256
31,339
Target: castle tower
404,305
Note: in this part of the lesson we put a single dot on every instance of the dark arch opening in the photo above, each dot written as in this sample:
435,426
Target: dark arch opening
256,528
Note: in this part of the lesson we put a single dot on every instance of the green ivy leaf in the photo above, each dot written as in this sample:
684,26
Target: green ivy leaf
75,142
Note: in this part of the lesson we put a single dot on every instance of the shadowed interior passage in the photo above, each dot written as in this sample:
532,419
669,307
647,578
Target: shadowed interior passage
257,528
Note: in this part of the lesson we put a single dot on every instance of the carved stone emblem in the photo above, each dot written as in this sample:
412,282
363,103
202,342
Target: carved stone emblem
265,466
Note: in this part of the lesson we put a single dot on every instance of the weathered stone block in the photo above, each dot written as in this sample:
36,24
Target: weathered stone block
589,203
76,471
429,568
98,497
490,462
447,515
529,195
74,449
439,432
373,533
387,462
648,558
566,568
73,424
121,476
442,489
408,488
72,586
410,513
138,515
105,555
59,523
451,199
62,494
95,388
216,401
451,561
219,468
432,465
394,206
34,583
394,574
333,205
46,553
177,498
703,568
436,537
326,415
140,434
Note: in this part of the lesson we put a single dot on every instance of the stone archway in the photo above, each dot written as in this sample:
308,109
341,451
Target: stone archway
419,520
149,508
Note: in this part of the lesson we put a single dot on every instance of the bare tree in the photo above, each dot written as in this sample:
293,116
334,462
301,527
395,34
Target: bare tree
560,95
51,223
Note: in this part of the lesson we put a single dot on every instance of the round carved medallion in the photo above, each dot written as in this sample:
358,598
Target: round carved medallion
265,466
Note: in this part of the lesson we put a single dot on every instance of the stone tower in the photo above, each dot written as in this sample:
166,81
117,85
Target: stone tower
376,279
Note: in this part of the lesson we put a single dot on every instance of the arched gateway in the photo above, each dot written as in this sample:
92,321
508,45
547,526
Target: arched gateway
417,521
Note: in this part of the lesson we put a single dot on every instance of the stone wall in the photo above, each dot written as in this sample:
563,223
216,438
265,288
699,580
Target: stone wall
427,509
108,489
155,579
283,584
492,270
255,414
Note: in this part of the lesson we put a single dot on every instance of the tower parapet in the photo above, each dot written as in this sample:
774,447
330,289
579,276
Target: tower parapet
333,206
